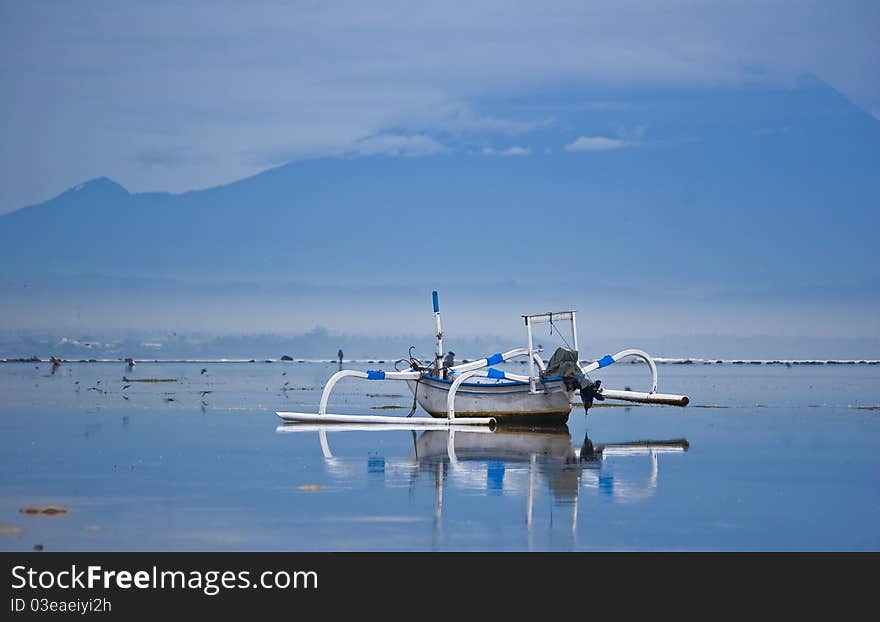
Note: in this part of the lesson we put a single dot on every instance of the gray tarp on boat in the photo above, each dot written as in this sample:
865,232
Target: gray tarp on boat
565,363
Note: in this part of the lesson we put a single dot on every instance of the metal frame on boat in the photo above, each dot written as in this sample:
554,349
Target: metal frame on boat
475,393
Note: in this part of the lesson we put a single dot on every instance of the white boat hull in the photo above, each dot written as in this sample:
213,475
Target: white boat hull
505,401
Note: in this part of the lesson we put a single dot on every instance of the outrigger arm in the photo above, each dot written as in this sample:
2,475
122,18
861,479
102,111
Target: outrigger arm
652,397
324,417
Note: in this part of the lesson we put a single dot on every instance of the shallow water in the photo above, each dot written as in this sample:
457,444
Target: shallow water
764,458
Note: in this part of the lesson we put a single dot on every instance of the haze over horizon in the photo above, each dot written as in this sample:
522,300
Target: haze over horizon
689,170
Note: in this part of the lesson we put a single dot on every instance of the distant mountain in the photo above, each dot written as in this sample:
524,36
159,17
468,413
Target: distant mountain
747,194
715,186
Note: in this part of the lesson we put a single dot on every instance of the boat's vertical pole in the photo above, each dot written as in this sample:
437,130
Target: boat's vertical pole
531,356
438,491
574,331
438,331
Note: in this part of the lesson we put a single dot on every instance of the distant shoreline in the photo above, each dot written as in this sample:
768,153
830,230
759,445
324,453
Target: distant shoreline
385,361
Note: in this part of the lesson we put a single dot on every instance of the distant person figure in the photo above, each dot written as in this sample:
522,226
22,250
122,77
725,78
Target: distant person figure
129,362
56,363
339,354
448,362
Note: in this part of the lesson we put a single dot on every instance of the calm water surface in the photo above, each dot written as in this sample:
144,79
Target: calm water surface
764,458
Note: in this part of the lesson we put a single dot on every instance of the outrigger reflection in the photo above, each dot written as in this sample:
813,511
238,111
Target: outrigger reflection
476,393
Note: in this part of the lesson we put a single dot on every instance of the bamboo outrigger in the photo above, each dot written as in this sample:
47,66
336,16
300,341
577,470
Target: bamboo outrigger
475,393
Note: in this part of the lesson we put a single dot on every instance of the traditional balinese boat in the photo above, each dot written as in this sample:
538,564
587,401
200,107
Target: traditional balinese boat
476,393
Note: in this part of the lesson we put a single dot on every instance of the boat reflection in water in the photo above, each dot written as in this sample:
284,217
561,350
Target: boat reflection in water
518,463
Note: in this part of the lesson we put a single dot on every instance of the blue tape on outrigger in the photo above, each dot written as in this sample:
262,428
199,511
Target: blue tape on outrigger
494,359
605,361
495,373
375,375
436,302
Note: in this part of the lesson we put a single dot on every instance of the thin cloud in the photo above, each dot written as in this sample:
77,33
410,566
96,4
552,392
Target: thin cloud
510,151
597,143
396,145
626,137
390,144
460,118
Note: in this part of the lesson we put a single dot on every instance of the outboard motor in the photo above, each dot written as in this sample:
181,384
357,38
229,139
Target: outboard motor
590,392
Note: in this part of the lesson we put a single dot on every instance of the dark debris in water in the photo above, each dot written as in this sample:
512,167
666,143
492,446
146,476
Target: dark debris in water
48,510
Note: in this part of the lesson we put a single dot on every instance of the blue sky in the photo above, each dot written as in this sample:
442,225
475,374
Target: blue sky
173,96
